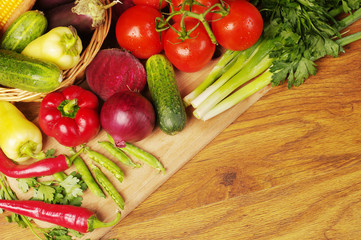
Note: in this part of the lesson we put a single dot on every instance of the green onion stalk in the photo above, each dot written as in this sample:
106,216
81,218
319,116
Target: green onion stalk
226,86
227,66
257,63
259,83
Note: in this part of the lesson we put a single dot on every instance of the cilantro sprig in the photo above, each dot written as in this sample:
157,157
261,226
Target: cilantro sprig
68,191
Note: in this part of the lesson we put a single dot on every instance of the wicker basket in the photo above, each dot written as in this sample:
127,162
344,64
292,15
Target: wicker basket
74,75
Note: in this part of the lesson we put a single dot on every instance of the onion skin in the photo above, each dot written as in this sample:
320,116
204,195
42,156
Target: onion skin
115,70
127,117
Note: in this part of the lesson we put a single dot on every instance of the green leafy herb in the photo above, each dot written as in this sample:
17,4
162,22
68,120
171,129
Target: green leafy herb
46,191
50,153
61,233
71,186
68,191
307,30
297,34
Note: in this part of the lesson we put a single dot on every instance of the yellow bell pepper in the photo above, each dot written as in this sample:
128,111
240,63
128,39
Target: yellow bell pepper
61,46
20,139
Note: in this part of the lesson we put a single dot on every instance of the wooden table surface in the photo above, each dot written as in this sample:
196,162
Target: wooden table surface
287,168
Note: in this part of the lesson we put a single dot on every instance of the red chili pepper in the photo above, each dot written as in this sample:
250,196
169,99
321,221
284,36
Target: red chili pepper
77,218
43,167
70,116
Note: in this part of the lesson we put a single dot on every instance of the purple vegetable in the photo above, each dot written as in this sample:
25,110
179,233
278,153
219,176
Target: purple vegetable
84,15
118,9
127,117
64,16
49,4
114,70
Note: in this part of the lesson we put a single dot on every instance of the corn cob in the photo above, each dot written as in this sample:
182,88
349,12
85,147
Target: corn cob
7,8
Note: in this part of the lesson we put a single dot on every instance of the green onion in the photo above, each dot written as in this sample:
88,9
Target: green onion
237,64
257,63
224,63
251,88
287,51
259,83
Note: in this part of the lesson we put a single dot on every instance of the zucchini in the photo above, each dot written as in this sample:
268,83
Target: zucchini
163,88
27,27
25,73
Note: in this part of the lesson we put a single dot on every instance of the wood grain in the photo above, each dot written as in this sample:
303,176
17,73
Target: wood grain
287,168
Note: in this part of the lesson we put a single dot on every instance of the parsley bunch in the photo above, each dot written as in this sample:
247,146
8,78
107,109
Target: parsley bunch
67,192
307,29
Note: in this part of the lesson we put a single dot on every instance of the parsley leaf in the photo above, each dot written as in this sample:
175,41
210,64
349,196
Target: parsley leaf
69,191
71,186
305,31
25,184
61,233
50,153
44,193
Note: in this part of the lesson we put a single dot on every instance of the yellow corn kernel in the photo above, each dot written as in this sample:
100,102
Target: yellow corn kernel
7,8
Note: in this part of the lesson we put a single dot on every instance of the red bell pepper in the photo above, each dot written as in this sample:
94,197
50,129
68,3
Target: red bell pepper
70,116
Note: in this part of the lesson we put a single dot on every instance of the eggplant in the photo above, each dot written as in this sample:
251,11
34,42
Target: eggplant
83,15
49,4
63,15
118,9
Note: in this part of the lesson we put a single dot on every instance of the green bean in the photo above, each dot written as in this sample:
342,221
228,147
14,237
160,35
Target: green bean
108,186
59,176
143,156
87,177
106,163
118,154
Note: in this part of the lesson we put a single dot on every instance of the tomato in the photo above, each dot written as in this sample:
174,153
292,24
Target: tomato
241,28
230,1
177,4
152,3
193,53
135,31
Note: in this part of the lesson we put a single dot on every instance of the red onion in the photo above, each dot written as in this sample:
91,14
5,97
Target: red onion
127,116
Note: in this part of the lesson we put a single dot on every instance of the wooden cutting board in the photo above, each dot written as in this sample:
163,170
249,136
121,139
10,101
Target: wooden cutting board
172,151
267,189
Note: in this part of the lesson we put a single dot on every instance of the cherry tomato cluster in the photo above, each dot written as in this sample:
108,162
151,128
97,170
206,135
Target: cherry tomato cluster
192,29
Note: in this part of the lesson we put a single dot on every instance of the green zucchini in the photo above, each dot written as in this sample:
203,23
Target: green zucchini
27,27
163,88
25,73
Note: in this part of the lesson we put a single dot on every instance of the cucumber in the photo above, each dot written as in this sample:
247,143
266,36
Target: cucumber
27,27
25,73
163,88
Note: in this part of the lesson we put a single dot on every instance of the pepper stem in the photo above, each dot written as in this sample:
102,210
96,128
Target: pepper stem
70,41
94,222
28,149
76,155
69,108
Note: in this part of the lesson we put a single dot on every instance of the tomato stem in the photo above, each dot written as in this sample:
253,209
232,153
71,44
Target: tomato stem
219,8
